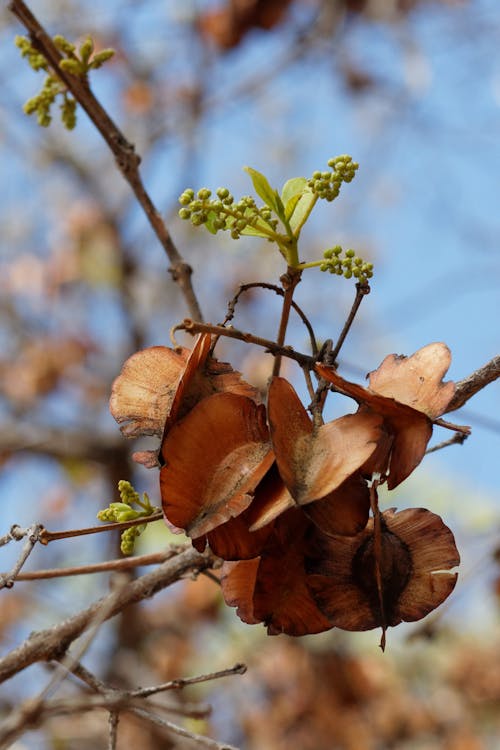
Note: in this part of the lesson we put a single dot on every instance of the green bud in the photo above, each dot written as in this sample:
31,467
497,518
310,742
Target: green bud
350,253
328,253
184,199
118,507
222,192
348,273
72,66
185,213
68,113
43,119
204,194
63,45
127,515
100,58
86,49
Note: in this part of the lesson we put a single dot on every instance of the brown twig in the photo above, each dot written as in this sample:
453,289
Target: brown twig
474,382
378,556
231,308
50,644
184,682
31,714
458,438
113,719
32,535
361,291
125,563
52,536
462,429
126,158
272,347
289,280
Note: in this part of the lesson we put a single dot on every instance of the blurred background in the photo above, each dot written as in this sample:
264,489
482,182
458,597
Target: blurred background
409,88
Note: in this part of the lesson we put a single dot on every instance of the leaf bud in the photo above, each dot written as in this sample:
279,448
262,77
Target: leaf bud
101,57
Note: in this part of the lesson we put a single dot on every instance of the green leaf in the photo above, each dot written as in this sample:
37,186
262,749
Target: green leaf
255,232
266,192
302,210
210,222
291,193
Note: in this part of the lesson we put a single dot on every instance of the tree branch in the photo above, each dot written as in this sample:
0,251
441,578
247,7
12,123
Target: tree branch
126,158
475,382
49,644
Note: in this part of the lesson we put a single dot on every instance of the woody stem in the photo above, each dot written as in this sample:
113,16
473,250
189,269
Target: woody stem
289,280
377,550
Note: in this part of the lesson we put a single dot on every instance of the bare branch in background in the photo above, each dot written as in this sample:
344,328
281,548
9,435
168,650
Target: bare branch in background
45,645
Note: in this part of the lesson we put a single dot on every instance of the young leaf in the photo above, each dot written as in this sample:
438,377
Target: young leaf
291,194
266,192
301,211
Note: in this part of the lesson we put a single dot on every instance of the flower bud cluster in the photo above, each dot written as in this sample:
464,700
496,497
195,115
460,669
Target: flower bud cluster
128,538
349,266
327,184
223,212
53,86
122,511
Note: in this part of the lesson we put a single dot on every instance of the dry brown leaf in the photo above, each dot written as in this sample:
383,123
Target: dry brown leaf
410,428
314,462
273,588
158,386
214,457
417,552
142,395
417,380
345,510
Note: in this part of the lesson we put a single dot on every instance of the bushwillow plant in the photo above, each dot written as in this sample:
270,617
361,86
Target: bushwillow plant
282,217
288,502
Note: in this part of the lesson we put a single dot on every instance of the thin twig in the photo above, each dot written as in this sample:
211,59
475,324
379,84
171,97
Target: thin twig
126,158
50,644
272,347
378,555
231,308
100,615
361,291
184,682
52,536
15,534
458,438
181,731
289,281
123,563
32,537
113,719
463,429
474,382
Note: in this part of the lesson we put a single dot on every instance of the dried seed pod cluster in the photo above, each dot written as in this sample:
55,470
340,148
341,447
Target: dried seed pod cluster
285,501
